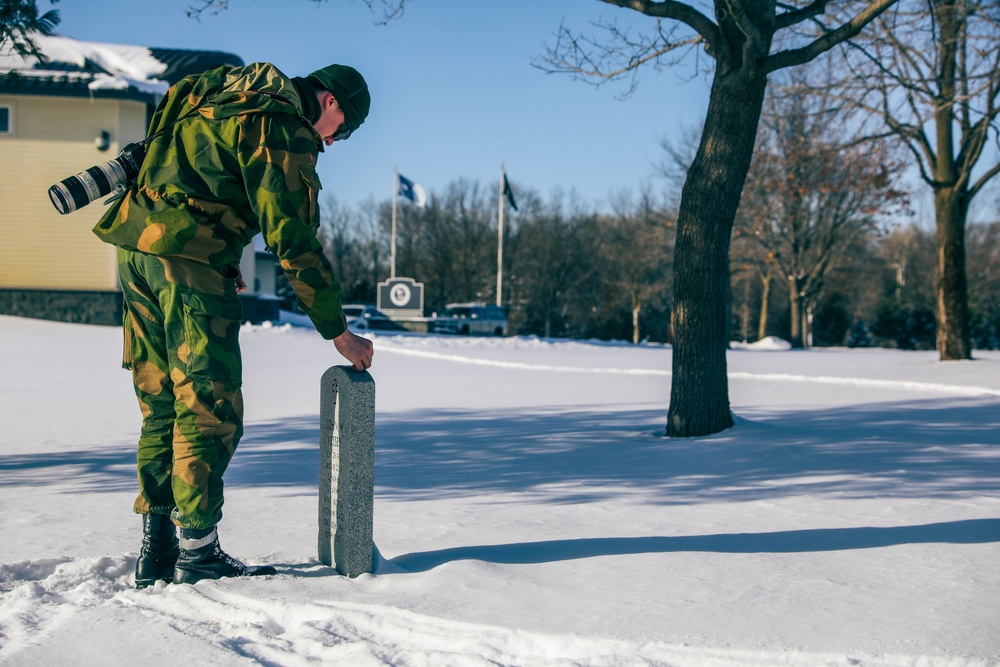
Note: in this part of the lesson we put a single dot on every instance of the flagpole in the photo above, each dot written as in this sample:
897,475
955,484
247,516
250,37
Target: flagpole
500,240
392,250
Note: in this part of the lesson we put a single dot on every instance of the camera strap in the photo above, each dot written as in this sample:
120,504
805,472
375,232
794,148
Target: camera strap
120,190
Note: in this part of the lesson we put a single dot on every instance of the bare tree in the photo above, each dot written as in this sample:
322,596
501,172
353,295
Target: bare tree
809,196
375,244
752,277
549,251
909,258
748,40
335,234
931,71
638,247
390,8
352,242
984,284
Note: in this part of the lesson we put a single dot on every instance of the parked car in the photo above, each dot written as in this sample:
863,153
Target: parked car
362,317
468,319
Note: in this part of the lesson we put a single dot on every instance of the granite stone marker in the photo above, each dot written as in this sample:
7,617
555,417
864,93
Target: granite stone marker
347,470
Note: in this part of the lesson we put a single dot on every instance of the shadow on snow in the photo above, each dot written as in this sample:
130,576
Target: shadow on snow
931,448
973,531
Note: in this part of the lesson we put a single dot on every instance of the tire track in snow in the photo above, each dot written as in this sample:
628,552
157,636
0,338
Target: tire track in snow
933,387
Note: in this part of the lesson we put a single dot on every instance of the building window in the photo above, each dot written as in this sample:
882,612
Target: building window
5,127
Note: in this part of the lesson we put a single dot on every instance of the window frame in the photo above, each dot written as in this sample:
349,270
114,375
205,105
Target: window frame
10,120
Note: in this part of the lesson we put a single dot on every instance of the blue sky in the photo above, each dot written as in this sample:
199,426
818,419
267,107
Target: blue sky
454,92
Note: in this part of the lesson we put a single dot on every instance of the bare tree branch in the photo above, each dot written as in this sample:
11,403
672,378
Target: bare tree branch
797,15
678,11
391,9
616,56
828,40
210,6
986,177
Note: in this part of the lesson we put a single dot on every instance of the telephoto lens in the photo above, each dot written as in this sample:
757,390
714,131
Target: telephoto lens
77,191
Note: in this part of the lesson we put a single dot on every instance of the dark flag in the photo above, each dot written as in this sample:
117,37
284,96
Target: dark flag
508,193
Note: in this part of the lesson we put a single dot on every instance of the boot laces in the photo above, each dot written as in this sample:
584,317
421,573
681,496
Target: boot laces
232,562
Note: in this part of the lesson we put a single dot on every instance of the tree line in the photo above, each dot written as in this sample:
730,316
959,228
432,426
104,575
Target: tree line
824,253
568,269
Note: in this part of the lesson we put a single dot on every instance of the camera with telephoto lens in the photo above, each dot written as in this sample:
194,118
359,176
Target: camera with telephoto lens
112,176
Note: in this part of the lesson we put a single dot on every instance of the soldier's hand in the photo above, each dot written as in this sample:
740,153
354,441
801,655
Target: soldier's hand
355,349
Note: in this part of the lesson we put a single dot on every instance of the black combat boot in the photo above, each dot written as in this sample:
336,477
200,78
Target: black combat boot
201,557
159,551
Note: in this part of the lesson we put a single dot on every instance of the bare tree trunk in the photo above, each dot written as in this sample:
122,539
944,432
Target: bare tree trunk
635,325
807,323
765,299
952,303
795,312
699,395
954,340
745,312
728,296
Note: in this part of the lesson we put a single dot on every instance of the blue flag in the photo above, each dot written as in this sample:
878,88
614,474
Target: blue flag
412,191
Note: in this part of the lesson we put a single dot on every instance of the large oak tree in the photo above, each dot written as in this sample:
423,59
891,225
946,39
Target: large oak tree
748,40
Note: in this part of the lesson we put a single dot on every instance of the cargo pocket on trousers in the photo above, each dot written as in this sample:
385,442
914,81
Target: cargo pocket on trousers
127,335
211,333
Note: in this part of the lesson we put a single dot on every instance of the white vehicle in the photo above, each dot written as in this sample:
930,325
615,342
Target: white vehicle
469,319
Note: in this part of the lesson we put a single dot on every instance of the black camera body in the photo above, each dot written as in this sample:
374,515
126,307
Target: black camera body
112,176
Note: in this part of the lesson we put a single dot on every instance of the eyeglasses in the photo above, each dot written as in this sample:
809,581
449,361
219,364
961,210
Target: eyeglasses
343,132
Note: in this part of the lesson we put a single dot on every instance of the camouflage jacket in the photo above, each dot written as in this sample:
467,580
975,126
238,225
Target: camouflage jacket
232,154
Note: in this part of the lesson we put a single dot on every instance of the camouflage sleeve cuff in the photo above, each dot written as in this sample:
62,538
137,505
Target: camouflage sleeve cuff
330,329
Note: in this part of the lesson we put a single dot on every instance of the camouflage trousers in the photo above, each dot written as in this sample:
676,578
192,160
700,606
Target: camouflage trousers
181,324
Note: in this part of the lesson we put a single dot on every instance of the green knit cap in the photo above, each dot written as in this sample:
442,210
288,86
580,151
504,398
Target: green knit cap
348,88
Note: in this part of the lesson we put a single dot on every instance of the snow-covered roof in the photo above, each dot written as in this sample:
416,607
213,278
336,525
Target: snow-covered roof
71,66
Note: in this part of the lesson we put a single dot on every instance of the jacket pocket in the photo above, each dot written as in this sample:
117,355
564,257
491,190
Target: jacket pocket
211,334
313,185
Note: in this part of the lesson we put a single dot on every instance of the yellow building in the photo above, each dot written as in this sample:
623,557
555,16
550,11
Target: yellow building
59,118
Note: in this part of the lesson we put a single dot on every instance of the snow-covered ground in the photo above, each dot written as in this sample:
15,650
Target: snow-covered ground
528,511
